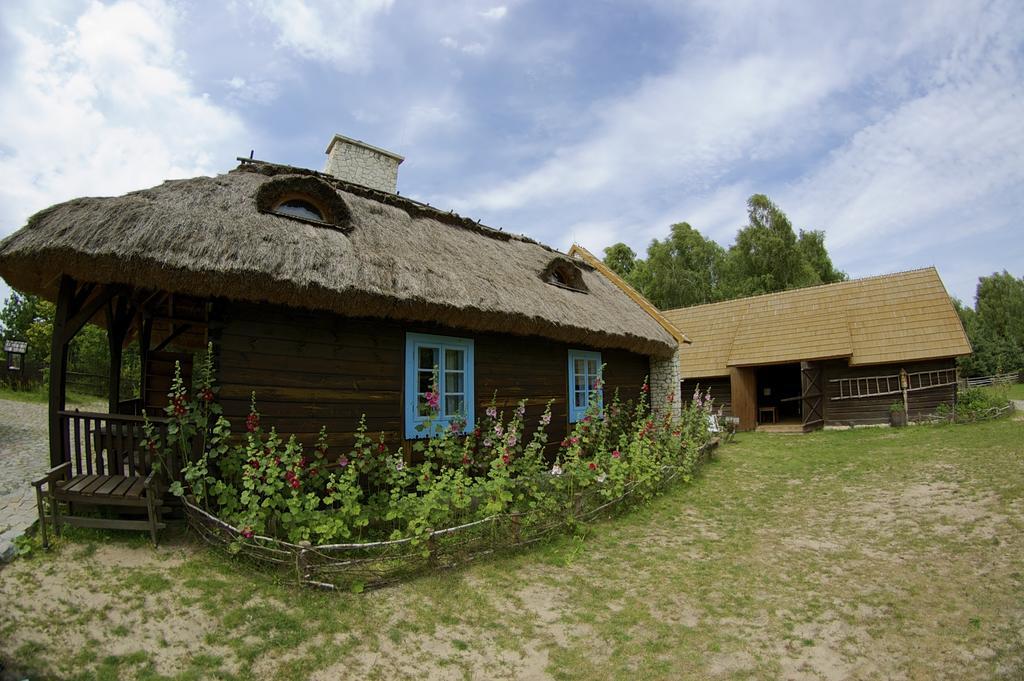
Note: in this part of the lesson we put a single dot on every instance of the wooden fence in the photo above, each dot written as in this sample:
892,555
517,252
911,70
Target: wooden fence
995,379
374,564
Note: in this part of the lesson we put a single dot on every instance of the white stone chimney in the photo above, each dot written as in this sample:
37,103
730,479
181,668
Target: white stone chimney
361,163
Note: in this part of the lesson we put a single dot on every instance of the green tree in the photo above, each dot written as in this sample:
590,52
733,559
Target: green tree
28,317
686,268
621,259
812,246
995,326
682,270
767,256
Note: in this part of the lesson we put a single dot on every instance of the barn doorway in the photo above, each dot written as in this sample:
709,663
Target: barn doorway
779,396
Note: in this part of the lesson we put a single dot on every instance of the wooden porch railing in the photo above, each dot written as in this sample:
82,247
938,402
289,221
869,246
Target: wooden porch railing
109,444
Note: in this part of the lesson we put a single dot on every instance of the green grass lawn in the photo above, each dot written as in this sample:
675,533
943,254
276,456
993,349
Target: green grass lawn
867,554
40,395
1014,391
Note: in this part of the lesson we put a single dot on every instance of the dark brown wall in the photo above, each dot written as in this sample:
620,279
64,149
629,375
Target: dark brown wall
721,392
311,370
872,410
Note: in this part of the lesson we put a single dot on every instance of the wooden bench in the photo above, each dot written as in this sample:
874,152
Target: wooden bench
132,491
105,467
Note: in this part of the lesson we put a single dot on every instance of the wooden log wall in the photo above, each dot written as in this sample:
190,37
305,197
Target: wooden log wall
875,410
721,391
316,369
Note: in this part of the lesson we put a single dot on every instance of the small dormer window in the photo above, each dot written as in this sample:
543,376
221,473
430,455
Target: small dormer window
299,208
304,198
564,273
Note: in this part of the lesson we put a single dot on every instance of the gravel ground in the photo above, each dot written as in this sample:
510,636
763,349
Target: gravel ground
24,457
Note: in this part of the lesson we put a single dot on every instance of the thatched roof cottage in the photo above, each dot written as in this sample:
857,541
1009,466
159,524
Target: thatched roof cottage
331,296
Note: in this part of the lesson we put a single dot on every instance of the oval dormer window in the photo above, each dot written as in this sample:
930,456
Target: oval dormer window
564,273
299,208
304,198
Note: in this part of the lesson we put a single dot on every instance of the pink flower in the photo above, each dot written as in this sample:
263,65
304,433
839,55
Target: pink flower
455,427
492,412
487,442
505,459
521,409
616,454
247,532
545,419
252,422
592,466
433,399
499,430
512,440
645,388
342,460
574,440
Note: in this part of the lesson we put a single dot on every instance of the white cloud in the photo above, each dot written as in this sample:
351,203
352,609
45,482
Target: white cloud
474,47
685,128
251,90
438,115
339,33
886,125
100,105
495,13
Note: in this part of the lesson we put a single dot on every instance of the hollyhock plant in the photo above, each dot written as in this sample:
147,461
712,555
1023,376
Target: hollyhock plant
274,486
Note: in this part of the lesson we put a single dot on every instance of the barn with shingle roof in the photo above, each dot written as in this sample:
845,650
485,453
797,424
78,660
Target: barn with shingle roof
832,355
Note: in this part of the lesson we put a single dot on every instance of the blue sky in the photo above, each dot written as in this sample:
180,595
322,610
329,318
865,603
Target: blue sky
896,127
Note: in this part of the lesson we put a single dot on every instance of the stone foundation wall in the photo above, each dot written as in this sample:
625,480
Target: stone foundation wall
664,381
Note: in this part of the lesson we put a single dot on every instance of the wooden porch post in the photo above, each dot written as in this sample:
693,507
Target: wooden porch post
59,368
119,317
145,338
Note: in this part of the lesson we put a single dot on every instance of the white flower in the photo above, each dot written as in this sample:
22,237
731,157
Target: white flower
399,465
602,477
556,470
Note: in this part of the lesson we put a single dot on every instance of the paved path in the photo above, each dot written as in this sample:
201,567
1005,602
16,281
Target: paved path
24,457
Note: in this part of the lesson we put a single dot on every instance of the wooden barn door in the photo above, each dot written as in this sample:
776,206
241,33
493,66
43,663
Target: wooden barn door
813,391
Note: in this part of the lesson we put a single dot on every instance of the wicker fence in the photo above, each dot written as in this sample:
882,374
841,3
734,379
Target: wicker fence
374,564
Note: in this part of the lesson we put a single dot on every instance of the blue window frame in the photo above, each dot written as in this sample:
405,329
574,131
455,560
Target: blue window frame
584,370
453,360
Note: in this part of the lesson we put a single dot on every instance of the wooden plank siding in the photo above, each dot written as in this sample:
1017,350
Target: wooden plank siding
311,370
859,411
721,391
875,410
743,387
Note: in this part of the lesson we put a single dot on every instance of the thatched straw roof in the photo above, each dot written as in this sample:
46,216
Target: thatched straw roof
389,257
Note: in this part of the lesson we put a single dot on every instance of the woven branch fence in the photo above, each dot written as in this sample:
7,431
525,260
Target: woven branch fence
375,564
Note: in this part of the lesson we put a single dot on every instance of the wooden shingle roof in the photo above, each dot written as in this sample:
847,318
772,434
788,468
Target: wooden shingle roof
890,318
